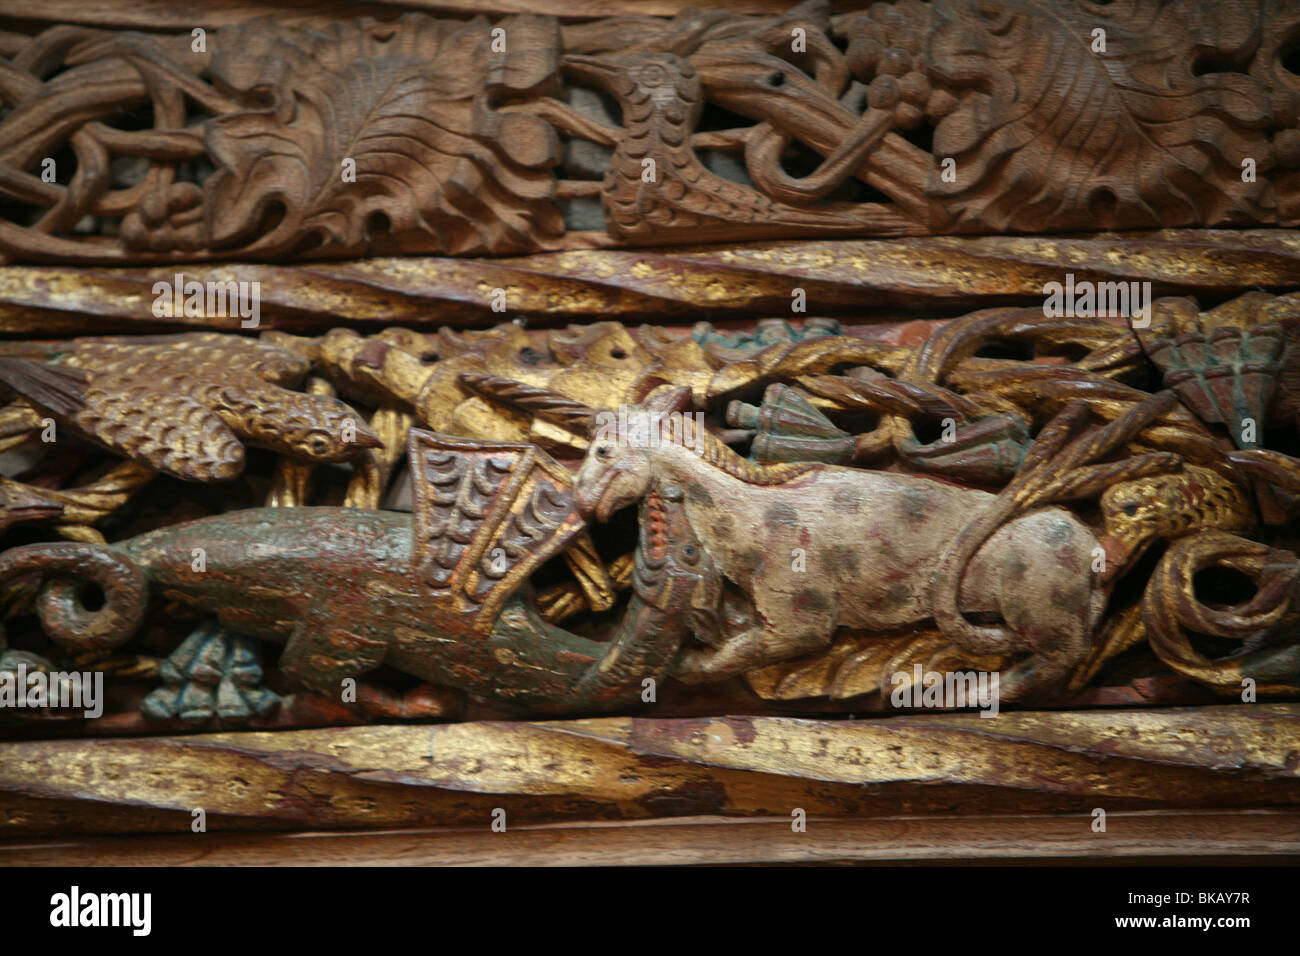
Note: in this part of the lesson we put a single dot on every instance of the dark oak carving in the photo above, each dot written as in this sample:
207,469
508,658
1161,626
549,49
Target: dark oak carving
351,466
469,137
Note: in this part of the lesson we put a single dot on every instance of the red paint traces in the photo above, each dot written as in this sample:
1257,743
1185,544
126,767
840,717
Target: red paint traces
1194,494
656,527
568,657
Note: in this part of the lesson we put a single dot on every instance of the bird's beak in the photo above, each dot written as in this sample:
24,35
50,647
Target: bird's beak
1119,556
590,69
365,438
27,505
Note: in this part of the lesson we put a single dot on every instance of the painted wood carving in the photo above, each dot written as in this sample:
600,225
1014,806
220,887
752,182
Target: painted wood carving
649,414
566,521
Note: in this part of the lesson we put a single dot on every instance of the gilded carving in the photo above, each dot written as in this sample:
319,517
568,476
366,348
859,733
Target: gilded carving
591,509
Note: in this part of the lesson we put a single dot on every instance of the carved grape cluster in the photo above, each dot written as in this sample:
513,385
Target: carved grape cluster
887,52
166,220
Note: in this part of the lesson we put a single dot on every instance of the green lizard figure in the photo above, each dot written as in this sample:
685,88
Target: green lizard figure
348,590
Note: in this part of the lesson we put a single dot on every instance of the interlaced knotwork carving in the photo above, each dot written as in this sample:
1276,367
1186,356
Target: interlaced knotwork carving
466,137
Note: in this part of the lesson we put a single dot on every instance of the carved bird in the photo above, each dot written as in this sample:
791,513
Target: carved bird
656,184
182,403
20,503
1139,512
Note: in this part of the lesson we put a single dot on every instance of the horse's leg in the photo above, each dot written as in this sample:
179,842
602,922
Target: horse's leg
744,651
794,620
1046,599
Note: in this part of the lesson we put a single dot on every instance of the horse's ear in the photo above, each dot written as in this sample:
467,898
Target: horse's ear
665,401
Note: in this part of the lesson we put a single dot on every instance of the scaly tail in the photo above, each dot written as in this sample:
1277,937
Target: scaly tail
65,619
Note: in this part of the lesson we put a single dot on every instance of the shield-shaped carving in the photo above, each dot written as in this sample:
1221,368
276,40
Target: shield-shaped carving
487,515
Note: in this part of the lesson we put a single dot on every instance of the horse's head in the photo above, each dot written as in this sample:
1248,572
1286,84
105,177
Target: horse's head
619,464
614,474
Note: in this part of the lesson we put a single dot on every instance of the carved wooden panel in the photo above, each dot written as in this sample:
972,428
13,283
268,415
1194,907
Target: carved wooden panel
616,415
268,140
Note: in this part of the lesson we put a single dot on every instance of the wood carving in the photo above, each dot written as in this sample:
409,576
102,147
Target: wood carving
758,524
642,399
467,137
182,405
385,590
1072,513
855,281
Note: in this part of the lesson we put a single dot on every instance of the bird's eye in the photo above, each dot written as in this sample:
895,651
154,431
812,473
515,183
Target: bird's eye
690,553
653,74
604,453
1130,509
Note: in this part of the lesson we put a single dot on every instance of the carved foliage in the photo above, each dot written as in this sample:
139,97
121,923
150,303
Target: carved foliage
1088,116
471,137
375,129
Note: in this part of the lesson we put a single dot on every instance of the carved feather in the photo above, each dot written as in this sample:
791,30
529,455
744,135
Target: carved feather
57,389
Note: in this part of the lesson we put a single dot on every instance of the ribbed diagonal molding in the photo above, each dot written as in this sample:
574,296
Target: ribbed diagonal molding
862,280
621,769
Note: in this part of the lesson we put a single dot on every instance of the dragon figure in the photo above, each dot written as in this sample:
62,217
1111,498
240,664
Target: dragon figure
435,595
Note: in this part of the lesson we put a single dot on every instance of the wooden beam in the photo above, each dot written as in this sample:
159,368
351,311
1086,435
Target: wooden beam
173,15
868,280
638,769
1133,837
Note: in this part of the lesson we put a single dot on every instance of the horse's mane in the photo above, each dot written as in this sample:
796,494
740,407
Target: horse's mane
714,451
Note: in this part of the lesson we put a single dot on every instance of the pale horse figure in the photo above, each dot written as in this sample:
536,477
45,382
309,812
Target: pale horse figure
820,547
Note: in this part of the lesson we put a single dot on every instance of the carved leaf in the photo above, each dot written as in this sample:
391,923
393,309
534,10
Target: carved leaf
376,131
1053,129
863,664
